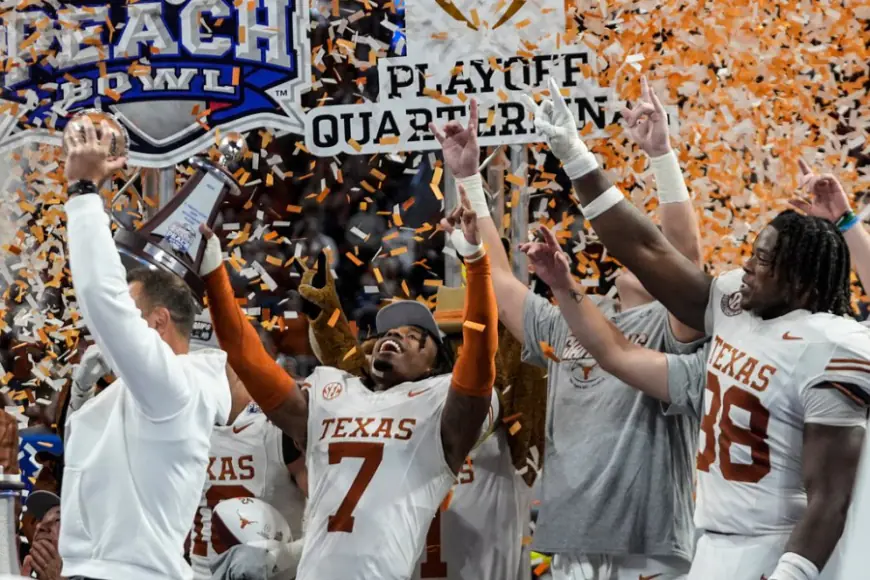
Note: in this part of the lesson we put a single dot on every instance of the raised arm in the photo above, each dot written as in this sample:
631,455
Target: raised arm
462,157
148,366
470,398
628,235
647,125
269,384
643,369
829,200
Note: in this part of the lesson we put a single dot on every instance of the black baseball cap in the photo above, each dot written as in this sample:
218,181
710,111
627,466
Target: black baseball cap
39,502
407,313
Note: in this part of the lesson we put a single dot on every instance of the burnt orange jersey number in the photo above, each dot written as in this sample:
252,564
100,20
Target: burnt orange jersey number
755,437
372,454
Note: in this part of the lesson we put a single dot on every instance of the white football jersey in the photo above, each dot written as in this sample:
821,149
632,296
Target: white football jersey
479,534
377,474
246,459
759,394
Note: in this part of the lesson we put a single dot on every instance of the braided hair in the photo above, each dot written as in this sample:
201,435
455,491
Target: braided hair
811,257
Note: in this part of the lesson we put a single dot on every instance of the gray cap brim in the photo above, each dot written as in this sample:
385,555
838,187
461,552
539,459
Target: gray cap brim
407,313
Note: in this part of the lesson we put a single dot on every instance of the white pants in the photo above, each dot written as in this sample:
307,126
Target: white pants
567,567
723,557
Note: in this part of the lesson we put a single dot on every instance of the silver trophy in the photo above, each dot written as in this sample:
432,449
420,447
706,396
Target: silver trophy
171,239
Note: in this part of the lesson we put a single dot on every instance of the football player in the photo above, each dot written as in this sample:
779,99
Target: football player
382,455
786,382
249,457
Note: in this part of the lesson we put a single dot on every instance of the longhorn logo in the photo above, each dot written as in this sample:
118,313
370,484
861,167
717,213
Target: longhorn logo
453,11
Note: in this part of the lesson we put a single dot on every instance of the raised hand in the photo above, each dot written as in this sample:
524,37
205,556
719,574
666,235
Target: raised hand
211,258
828,199
551,264
88,156
647,123
461,226
459,144
90,369
555,121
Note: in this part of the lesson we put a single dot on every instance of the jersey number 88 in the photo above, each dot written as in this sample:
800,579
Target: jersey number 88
755,438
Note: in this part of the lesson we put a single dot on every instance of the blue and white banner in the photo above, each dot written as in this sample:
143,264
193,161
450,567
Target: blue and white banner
173,71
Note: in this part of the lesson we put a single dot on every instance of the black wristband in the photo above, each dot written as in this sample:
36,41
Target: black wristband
81,187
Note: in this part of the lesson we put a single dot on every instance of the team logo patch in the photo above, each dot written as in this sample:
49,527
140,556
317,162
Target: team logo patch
731,304
173,72
331,391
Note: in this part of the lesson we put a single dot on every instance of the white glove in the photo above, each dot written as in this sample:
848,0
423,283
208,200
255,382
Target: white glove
211,257
85,376
555,121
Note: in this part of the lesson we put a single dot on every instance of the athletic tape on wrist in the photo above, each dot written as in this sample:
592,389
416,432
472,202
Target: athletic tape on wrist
473,186
602,203
793,566
462,246
669,178
580,164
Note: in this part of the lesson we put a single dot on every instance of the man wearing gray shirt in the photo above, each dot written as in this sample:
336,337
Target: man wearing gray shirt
617,483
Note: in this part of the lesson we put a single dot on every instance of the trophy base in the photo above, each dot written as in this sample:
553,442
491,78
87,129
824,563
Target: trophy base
137,251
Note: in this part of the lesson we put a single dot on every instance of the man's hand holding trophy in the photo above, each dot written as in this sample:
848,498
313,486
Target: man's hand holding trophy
96,146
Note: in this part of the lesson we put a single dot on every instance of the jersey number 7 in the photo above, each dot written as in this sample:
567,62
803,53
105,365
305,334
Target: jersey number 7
372,454
755,438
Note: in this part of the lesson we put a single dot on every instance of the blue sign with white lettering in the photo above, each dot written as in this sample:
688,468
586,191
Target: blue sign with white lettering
173,71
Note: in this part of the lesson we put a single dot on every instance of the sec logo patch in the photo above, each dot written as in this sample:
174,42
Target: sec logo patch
731,304
331,391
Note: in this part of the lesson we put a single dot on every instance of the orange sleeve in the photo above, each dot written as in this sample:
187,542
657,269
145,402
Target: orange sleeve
265,380
474,371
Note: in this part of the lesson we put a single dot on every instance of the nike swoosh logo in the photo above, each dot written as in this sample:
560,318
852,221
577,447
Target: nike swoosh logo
642,577
416,393
789,336
238,430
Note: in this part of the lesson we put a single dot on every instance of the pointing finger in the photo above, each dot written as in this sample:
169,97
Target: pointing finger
529,104
644,89
439,135
550,238
804,167
472,117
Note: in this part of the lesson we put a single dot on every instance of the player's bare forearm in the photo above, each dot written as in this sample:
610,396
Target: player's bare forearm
510,293
291,416
470,396
830,462
680,227
633,239
858,240
641,368
461,423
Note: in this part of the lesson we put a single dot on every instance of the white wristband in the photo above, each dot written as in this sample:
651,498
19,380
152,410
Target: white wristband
793,566
602,203
473,186
462,246
669,178
580,165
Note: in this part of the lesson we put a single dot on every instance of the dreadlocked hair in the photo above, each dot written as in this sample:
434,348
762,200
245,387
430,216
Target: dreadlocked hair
812,258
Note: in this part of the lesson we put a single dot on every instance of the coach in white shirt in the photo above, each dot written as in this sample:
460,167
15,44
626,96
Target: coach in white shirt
137,455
